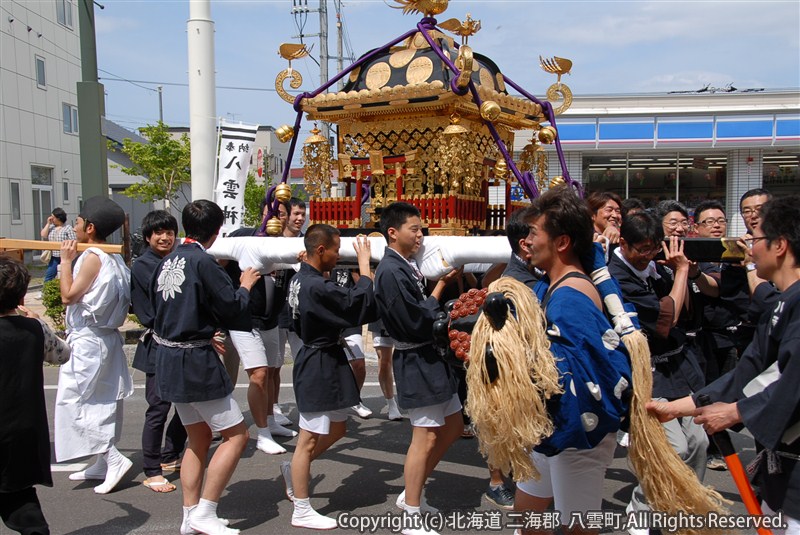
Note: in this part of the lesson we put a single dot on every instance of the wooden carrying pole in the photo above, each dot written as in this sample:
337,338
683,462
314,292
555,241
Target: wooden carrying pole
36,245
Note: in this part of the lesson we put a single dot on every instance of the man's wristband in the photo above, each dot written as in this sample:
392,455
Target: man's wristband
750,266
696,276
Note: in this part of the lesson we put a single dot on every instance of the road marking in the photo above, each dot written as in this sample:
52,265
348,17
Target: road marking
238,385
71,467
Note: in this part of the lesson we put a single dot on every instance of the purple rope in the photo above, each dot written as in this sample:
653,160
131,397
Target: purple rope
550,115
360,61
273,209
525,180
429,24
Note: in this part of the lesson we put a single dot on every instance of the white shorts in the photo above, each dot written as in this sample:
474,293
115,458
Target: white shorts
320,422
220,414
250,348
274,343
574,478
355,347
434,415
380,338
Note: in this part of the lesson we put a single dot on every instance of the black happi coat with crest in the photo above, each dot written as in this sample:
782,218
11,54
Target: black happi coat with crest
423,378
320,311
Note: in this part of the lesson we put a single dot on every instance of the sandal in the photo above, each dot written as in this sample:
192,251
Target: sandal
159,486
172,466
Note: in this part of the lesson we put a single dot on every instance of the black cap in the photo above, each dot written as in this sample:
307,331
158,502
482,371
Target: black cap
106,215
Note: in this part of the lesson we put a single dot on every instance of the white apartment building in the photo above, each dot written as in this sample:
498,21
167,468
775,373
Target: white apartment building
40,65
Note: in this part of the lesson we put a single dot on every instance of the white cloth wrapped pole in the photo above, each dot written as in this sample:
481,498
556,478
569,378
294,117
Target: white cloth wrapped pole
438,255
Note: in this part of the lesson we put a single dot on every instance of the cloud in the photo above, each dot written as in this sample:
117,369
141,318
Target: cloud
111,24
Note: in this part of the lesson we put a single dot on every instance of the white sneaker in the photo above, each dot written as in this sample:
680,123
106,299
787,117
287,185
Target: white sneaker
635,530
286,472
394,410
265,443
118,465
424,507
311,519
96,471
362,411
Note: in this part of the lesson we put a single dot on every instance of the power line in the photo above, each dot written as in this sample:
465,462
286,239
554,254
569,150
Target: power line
121,79
185,84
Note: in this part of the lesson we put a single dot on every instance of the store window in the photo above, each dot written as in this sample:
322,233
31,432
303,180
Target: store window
782,173
653,177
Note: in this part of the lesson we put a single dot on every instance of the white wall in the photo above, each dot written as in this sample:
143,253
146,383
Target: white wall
31,125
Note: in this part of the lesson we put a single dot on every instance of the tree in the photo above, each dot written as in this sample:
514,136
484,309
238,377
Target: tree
253,195
164,161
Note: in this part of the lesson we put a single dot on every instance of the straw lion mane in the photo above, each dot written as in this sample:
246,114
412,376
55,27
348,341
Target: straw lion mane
511,417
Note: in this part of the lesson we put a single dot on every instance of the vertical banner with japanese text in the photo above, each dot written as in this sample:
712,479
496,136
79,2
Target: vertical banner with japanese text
235,148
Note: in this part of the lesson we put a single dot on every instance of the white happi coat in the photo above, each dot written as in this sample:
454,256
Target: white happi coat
95,380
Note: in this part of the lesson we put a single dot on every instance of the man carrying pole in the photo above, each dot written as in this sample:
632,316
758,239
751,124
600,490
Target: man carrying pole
761,392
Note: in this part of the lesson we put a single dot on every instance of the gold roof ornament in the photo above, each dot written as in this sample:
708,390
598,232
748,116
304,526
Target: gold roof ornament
284,133
425,120
558,91
454,128
274,226
290,51
465,29
490,110
317,165
428,8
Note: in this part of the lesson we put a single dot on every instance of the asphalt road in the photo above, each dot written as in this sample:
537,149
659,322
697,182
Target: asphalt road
362,474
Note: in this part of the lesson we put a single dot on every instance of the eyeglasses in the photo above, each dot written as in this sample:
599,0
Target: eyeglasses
650,251
755,210
750,241
721,221
672,224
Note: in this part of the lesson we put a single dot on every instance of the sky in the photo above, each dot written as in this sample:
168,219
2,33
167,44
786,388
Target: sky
616,47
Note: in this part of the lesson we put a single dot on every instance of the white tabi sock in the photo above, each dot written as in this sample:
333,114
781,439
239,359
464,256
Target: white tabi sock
118,465
185,529
203,518
304,516
265,442
278,430
394,410
96,471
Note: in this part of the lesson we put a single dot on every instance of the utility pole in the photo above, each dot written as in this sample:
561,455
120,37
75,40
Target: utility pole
300,10
323,54
91,107
339,58
160,103
202,98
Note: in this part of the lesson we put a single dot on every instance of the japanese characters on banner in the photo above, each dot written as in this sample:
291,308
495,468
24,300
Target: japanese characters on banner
235,149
